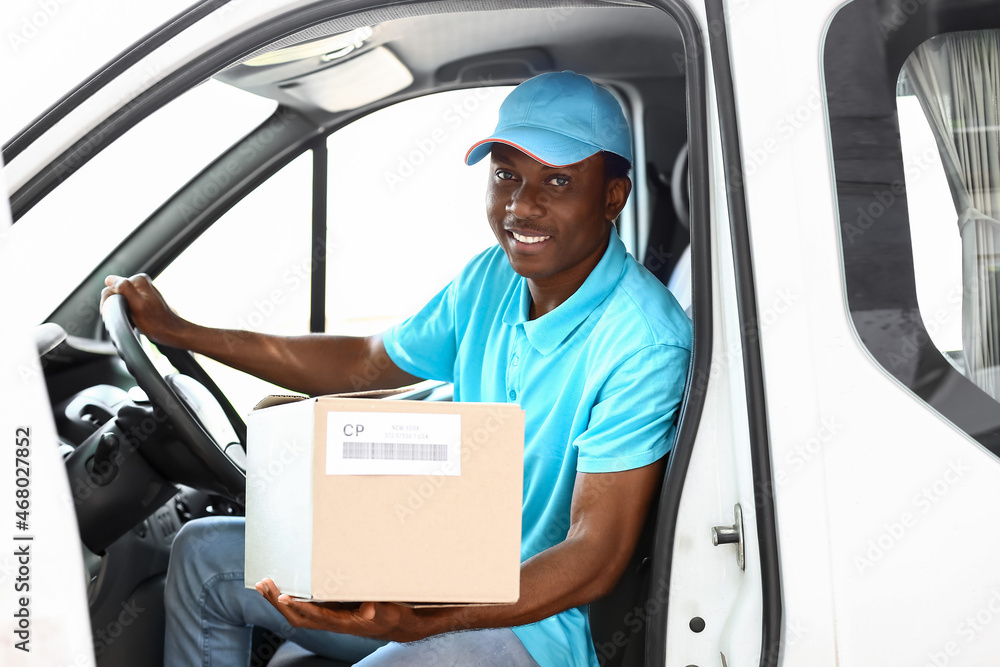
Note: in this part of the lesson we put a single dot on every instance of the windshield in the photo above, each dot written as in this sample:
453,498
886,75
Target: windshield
68,42
79,223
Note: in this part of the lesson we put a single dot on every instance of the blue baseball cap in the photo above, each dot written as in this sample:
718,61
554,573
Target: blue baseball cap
559,118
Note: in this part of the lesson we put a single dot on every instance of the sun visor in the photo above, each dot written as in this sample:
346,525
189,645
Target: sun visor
353,83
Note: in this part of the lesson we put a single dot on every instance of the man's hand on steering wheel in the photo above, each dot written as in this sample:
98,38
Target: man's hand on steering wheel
149,311
195,414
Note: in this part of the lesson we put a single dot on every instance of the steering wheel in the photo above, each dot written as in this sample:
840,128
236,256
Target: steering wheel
201,461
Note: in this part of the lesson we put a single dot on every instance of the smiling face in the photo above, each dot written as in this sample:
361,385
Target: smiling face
552,222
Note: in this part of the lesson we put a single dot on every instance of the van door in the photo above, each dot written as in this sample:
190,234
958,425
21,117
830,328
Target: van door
43,599
721,580
875,314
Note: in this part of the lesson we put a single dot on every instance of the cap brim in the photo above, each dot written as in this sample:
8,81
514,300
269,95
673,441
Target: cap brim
550,148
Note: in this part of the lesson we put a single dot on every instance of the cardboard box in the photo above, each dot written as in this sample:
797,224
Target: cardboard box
357,499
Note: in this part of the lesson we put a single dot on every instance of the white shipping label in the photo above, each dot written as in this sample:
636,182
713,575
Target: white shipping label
393,443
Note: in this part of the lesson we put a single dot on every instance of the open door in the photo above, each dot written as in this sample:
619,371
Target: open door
43,600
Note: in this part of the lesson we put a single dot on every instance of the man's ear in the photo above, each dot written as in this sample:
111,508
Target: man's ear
616,194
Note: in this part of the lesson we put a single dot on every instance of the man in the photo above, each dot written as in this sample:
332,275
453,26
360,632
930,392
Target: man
556,317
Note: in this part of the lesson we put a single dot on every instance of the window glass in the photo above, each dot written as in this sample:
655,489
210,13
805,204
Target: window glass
87,215
954,77
250,271
405,211
937,246
50,46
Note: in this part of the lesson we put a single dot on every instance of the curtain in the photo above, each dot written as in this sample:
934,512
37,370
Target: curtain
956,77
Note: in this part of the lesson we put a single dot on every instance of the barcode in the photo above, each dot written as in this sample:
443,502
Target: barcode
396,451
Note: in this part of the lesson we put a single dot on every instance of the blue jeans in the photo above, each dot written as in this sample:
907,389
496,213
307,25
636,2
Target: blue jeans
210,615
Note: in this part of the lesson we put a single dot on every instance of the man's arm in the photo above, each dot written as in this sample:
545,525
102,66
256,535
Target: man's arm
311,364
607,515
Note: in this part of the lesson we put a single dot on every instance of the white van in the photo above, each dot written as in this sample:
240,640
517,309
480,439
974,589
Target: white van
817,180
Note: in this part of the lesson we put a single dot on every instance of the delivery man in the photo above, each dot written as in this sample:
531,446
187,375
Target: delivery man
556,317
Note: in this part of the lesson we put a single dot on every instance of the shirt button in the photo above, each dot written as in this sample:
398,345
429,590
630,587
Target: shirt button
512,394
514,363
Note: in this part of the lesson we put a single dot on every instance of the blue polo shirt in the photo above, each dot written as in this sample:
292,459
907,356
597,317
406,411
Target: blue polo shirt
600,379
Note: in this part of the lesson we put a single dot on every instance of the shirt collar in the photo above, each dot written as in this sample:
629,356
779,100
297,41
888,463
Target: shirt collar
548,331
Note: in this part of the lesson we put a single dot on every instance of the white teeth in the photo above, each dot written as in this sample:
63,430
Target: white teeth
529,239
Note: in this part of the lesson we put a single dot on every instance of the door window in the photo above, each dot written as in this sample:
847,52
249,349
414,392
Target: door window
916,150
90,212
250,271
405,211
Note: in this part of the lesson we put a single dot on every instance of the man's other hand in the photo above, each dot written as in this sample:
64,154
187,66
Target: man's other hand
378,620
149,310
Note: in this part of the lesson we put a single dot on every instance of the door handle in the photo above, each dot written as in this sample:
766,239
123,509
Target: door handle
732,535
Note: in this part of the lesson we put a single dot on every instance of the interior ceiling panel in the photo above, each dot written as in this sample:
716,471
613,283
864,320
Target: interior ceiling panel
612,41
